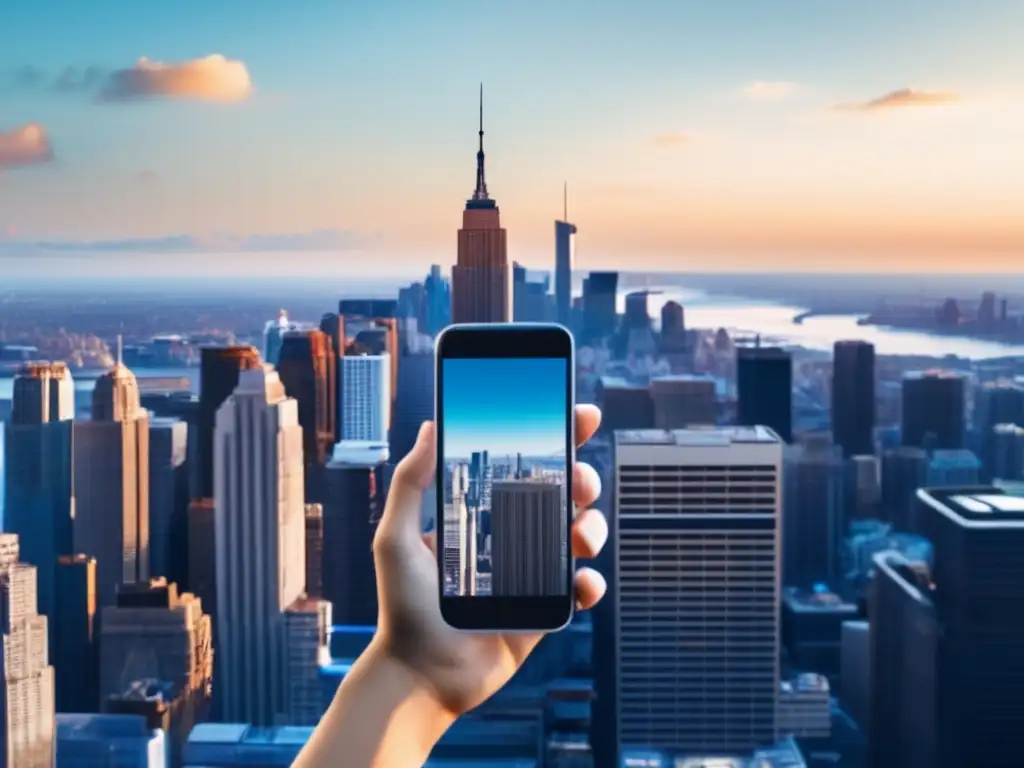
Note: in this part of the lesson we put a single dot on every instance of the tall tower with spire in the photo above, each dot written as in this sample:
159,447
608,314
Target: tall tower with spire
480,281
565,257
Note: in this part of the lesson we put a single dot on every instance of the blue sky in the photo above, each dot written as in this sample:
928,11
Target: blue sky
684,129
504,406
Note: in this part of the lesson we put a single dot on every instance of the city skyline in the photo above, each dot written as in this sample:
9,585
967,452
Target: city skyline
776,146
505,406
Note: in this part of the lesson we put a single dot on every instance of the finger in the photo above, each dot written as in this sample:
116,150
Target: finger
430,539
590,587
589,534
586,484
588,419
413,475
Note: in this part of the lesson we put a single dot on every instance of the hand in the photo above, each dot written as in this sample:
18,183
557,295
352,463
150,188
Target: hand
462,669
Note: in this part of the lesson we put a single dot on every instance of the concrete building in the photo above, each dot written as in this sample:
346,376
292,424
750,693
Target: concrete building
696,531
683,401
259,517
27,700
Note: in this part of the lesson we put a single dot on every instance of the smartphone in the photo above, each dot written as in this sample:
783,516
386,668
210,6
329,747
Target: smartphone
505,426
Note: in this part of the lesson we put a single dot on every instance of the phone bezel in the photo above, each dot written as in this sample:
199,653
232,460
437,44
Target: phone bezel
512,340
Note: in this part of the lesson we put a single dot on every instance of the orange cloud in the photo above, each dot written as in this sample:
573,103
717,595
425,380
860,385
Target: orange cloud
212,78
27,145
769,91
905,97
670,140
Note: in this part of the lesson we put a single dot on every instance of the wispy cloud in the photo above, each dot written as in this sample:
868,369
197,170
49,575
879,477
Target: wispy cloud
212,78
672,140
317,240
769,90
68,80
27,145
901,99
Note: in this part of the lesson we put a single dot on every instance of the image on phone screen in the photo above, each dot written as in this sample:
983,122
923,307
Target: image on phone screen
503,449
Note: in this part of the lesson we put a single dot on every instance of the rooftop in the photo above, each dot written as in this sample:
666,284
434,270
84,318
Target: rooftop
977,507
816,602
696,436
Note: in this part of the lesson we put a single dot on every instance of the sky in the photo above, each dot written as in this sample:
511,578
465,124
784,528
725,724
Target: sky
504,406
693,136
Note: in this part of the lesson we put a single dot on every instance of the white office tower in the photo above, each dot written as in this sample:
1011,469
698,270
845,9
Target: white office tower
458,580
27,702
697,537
365,383
260,544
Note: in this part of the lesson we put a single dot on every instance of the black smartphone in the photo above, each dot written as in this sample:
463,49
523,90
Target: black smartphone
505,426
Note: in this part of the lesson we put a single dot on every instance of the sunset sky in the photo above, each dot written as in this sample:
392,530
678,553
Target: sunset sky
693,136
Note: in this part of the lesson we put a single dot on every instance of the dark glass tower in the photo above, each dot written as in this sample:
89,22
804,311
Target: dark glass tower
764,383
600,290
933,410
218,378
526,539
853,397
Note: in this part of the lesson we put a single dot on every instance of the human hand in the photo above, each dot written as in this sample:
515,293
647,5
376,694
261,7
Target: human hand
462,669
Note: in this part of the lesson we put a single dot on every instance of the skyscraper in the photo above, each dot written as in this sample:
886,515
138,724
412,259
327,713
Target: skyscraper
683,401
565,256
74,647
356,479
697,646
813,512
307,622
439,301
27,705
259,518
314,550
273,335
527,531
365,397
600,291
764,383
112,484
39,499
415,403
945,671
853,397
307,369
168,499
218,377
933,410
480,279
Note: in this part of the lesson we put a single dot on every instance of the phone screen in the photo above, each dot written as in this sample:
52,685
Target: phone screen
504,454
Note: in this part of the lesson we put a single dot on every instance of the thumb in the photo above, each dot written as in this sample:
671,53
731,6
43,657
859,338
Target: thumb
412,477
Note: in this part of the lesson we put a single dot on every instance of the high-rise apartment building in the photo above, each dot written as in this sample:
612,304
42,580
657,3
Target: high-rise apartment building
527,534
27,705
218,377
764,389
307,622
168,498
853,397
480,277
696,596
933,410
259,518
74,643
38,488
356,479
365,397
111,456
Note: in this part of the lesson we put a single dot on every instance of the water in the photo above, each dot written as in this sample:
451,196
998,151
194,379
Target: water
819,332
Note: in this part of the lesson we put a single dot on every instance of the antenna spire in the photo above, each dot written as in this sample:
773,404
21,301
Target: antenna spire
120,350
480,193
